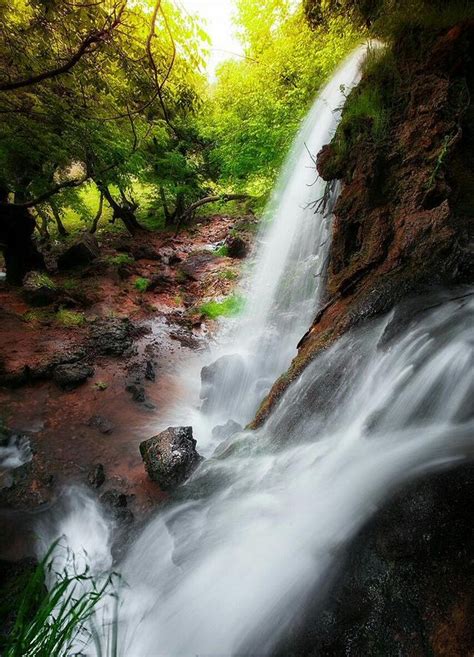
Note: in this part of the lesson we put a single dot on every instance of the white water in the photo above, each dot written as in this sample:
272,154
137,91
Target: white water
284,291
227,567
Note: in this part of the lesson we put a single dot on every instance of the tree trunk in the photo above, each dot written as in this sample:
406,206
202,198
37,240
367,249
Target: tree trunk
57,216
21,255
95,221
124,213
43,227
167,213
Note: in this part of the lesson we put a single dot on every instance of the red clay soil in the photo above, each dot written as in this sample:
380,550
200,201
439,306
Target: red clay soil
71,431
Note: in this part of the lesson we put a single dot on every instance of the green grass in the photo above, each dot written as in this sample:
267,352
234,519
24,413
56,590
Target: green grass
50,622
229,307
141,284
222,251
101,385
70,318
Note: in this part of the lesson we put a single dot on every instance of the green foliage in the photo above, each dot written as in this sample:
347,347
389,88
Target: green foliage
99,118
141,284
229,307
367,110
101,385
258,102
70,318
222,251
50,622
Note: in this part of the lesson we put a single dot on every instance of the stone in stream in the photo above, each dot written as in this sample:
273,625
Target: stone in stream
72,375
227,430
236,247
227,372
96,476
170,457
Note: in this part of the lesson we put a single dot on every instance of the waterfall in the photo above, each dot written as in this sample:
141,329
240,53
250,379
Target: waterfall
286,282
230,563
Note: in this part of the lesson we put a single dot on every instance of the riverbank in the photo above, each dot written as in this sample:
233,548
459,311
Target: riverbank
86,377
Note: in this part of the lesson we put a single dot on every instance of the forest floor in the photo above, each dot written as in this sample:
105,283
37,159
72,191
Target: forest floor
124,344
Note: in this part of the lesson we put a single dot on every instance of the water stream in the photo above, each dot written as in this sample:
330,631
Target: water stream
229,564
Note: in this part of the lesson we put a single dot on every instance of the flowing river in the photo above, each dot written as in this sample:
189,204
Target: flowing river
229,564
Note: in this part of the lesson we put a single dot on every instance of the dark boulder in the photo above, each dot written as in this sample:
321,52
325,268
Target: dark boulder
171,456
111,337
96,476
137,392
39,289
236,247
71,375
84,251
101,423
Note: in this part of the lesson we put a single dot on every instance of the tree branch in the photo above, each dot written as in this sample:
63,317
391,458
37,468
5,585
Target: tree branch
91,40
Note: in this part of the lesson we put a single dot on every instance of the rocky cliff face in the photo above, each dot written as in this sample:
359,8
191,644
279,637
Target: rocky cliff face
404,219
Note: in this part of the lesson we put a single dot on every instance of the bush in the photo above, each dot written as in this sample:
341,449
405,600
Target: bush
141,284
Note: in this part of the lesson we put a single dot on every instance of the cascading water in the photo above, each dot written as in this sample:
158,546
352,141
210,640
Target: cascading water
285,288
230,563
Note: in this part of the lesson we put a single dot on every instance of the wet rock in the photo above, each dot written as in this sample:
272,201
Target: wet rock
38,289
159,281
237,247
171,456
145,252
227,430
169,256
137,392
111,337
101,423
116,503
70,376
226,370
96,476
150,374
84,251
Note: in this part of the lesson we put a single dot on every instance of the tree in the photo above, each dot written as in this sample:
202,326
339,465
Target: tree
83,88
259,101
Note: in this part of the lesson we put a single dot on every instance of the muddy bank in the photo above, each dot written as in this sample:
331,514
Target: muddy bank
86,386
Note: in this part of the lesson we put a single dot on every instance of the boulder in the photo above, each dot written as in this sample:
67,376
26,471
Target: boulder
171,456
137,392
227,430
82,252
71,375
101,423
39,289
111,337
96,476
226,373
237,247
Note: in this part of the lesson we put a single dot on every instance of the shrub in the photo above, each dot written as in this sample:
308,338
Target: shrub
141,284
120,259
